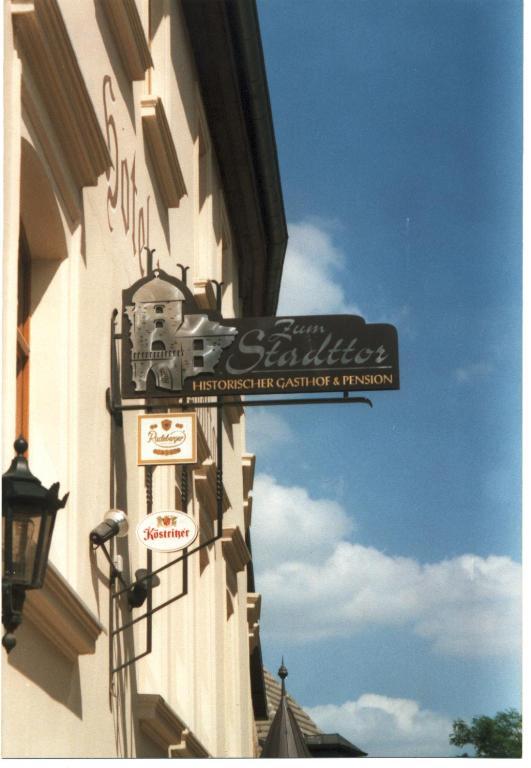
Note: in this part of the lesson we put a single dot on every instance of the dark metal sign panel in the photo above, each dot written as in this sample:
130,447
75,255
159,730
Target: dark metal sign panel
171,347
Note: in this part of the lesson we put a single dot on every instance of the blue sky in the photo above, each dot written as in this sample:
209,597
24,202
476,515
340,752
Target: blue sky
387,541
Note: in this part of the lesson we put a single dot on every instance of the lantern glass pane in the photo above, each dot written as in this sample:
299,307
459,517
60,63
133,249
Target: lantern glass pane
42,562
20,561
4,562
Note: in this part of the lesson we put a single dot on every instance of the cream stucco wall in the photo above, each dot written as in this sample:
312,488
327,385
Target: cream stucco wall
85,246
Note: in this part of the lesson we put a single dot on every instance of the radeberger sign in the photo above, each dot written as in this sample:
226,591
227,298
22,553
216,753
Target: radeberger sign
167,531
170,346
169,438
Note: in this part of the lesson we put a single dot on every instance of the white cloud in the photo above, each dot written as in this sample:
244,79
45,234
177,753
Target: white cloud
387,727
469,374
265,430
402,318
317,584
289,525
313,273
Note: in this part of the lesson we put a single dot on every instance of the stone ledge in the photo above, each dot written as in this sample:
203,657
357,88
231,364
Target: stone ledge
162,150
248,511
41,125
235,550
203,448
248,466
160,723
126,27
47,51
61,616
234,412
254,605
204,293
205,488
254,636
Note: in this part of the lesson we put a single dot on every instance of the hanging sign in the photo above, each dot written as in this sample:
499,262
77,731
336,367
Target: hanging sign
168,438
167,531
171,347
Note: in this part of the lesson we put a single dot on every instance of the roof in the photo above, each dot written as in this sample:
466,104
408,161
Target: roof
332,745
319,744
158,290
227,47
285,738
273,690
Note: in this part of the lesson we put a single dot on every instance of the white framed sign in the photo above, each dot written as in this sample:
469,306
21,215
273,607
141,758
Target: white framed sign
167,438
167,531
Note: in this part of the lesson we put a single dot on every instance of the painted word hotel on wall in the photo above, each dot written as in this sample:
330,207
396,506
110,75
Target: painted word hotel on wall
171,347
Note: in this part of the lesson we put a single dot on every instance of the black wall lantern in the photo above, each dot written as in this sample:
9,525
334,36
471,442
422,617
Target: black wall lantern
28,518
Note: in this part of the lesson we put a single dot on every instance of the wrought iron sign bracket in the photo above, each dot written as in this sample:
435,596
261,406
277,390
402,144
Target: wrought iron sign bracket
219,286
147,578
170,353
116,407
184,270
112,395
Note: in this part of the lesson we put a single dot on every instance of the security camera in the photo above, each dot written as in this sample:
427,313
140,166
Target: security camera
114,523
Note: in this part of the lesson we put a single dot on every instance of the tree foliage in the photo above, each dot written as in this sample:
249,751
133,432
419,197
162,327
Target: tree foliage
498,736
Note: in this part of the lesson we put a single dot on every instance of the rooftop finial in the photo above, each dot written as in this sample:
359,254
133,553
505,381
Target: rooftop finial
283,673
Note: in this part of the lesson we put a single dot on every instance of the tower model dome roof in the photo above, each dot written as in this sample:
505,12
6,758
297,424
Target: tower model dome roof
158,290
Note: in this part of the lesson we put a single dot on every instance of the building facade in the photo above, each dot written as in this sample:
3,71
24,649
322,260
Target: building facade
132,125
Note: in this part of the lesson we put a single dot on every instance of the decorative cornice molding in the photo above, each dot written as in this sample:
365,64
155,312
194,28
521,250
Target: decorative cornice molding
128,32
254,606
53,153
254,636
248,511
248,466
203,448
189,746
205,488
235,550
159,722
61,616
204,293
234,411
166,166
46,50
